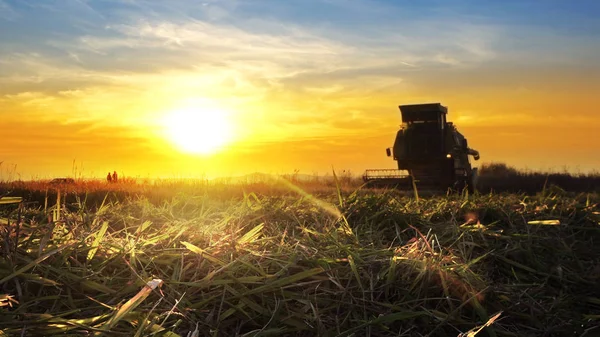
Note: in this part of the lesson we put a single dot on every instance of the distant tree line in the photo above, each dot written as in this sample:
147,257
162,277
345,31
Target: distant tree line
499,177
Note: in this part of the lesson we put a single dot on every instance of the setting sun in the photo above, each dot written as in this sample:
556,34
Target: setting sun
198,130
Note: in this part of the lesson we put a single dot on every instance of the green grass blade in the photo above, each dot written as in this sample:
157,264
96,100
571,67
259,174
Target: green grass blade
34,263
282,282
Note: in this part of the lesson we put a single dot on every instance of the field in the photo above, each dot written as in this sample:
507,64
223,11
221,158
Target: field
293,258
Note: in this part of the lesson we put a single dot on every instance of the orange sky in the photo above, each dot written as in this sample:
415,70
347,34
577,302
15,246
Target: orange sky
299,94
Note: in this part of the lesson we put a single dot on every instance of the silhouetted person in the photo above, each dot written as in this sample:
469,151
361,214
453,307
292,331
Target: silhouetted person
108,177
114,177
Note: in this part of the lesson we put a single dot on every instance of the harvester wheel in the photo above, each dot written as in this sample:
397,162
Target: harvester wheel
464,183
474,179
471,184
458,186
470,187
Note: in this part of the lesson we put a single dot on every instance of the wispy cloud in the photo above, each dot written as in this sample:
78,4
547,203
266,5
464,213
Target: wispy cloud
175,41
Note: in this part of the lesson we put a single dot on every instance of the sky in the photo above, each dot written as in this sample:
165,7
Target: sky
86,87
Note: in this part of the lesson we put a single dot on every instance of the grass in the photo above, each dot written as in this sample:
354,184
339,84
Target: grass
273,259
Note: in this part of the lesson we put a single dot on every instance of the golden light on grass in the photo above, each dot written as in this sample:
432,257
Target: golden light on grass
200,127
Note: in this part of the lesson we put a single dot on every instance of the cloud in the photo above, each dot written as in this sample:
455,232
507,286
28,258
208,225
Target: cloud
288,70
259,48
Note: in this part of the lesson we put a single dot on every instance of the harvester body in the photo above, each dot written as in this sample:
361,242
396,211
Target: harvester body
432,152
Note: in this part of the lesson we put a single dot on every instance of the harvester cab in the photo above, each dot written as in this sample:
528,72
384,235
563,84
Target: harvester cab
431,150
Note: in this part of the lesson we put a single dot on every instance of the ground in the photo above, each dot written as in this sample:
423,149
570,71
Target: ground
292,259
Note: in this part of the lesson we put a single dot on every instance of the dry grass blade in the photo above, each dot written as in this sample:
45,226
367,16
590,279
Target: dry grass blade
481,312
251,235
143,227
10,200
7,300
203,253
133,303
476,330
99,236
195,333
544,222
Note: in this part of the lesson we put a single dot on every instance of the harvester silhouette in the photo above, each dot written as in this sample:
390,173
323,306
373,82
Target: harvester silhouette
431,154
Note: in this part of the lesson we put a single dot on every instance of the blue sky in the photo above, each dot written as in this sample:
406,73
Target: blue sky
31,25
314,69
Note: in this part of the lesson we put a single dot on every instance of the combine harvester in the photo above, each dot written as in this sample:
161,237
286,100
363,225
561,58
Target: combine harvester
431,154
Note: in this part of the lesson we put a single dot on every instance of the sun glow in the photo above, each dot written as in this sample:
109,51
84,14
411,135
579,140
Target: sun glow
198,129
